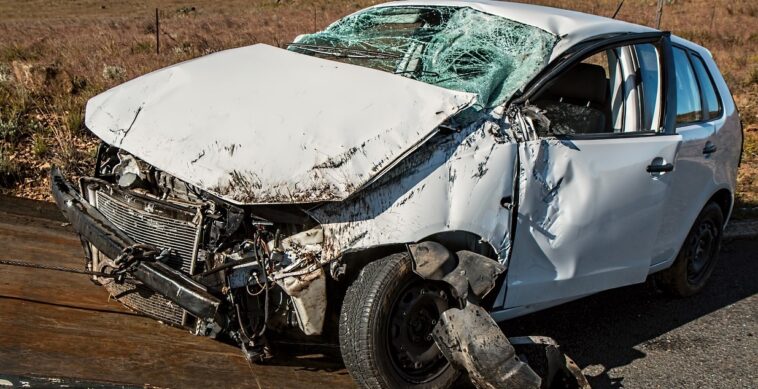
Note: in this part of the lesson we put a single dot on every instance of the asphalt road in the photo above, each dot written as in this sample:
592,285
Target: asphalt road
60,326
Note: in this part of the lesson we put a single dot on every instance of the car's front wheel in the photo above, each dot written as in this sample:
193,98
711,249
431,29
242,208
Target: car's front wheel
385,327
697,257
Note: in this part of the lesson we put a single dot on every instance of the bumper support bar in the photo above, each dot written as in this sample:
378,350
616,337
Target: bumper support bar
93,227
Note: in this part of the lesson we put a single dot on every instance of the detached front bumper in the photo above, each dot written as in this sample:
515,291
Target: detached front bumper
96,229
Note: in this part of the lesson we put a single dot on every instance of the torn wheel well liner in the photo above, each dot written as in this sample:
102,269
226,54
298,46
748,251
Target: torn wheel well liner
355,260
470,275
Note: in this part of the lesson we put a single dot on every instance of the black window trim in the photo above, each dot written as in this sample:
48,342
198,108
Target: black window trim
607,135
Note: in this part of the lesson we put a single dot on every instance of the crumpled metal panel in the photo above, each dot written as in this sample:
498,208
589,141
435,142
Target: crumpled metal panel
259,124
308,293
454,182
588,216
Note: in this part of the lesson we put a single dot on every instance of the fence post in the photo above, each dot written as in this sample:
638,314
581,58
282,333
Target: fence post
618,8
659,14
157,33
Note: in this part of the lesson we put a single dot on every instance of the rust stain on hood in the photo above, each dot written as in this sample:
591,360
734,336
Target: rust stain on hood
260,124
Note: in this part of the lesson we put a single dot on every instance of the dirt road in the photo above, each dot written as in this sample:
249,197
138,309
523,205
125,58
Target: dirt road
62,326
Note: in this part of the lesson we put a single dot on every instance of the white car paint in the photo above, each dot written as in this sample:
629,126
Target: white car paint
589,216
452,183
260,124
630,223
694,170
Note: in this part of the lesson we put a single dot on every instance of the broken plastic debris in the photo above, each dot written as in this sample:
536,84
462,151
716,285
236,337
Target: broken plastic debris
471,340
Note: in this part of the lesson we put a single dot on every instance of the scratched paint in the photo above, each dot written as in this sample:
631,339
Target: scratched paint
454,182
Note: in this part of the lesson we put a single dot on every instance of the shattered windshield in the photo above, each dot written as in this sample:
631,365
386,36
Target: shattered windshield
456,48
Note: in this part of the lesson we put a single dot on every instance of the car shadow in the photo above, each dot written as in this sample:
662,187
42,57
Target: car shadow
311,362
605,328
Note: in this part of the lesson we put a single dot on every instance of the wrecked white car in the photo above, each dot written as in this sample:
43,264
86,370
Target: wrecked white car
388,181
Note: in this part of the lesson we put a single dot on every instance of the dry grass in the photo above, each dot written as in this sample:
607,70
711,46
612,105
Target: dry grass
747,179
55,55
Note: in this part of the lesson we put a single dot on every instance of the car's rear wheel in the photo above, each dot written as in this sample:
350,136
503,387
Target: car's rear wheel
385,327
697,257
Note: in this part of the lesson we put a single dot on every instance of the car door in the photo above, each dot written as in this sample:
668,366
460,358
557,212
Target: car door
594,176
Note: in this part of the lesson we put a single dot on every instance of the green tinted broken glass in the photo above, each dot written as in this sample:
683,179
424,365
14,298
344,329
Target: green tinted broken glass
457,48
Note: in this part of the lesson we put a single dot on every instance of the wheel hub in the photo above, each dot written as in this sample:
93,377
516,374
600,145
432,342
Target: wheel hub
412,348
702,247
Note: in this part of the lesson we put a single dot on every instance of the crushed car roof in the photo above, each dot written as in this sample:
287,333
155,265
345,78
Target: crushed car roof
571,26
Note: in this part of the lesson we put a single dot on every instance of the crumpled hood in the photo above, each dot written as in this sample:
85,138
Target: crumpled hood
260,124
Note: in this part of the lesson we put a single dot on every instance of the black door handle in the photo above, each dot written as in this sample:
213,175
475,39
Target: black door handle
660,168
709,148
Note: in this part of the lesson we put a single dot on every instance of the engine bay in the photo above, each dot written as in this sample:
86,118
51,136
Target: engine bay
263,261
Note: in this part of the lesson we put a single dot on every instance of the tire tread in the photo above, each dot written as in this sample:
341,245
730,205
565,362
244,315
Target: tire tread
366,302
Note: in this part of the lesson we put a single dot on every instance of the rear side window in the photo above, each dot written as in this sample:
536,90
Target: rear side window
710,98
688,107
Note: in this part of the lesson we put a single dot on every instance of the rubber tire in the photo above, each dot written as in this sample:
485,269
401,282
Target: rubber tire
367,301
675,280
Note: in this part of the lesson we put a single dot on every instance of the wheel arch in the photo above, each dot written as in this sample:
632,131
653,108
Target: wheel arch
456,240
725,200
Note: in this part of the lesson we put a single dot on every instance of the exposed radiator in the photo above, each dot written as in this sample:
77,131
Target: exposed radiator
159,224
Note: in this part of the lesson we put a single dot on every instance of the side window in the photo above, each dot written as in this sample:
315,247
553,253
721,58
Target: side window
615,91
688,107
650,91
579,100
710,97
